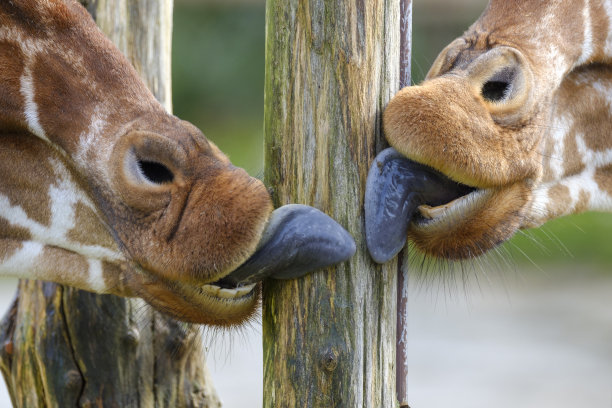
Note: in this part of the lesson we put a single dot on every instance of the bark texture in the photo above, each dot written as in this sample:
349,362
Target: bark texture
61,347
331,67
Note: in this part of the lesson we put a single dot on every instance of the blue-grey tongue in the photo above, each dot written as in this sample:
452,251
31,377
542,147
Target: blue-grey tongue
297,240
395,187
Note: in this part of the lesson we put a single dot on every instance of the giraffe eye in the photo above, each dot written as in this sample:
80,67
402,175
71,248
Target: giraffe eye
155,172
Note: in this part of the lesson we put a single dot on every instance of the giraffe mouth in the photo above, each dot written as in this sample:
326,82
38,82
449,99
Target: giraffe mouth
401,192
297,240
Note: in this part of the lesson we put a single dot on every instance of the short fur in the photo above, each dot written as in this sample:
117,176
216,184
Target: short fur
542,150
75,206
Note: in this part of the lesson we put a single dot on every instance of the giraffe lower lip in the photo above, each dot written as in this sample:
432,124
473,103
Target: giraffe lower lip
395,188
297,240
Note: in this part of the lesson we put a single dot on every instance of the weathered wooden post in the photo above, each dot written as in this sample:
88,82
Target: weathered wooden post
60,347
331,66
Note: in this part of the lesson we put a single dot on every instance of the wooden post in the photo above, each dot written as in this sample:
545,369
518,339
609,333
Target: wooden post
61,347
331,66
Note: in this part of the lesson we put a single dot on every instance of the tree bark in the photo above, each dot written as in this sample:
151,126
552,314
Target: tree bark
61,347
331,67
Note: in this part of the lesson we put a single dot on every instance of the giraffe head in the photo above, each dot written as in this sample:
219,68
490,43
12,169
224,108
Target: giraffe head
104,190
478,145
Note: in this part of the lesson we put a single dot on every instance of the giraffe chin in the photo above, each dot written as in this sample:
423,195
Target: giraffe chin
205,304
443,218
297,240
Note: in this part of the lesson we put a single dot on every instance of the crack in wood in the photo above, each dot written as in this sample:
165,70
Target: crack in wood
71,375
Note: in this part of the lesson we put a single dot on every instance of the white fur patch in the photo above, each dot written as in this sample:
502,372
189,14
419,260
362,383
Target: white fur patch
64,195
608,45
96,276
539,207
587,44
591,158
30,107
557,62
21,263
559,126
87,140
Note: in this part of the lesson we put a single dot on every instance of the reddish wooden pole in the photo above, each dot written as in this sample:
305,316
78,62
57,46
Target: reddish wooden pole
401,350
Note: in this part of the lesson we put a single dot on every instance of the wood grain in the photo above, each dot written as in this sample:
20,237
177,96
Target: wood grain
331,67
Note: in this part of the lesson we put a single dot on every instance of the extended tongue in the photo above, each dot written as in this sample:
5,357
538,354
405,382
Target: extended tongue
297,240
395,187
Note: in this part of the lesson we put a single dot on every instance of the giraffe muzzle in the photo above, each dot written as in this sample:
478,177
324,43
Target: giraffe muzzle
395,188
297,240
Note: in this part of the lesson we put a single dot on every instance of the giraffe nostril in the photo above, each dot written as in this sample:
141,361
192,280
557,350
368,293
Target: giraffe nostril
495,91
500,86
155,172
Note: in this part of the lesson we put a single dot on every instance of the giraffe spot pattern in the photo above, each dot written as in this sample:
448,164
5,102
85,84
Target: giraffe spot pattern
603,177
559,199
8,248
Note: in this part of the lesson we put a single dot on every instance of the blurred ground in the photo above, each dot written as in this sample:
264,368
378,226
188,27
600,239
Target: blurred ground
528,340
540,340
541,337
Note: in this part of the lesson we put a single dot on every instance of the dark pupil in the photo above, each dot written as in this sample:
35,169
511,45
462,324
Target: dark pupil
495,90
155,172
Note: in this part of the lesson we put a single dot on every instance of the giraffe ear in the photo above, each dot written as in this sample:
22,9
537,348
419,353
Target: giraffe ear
447,58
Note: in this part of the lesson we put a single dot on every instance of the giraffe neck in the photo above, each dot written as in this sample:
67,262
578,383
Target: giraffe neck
49,227
54,63
556,36
577,155
58,63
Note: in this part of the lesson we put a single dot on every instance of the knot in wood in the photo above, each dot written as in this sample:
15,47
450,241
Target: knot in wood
73,380
329,359
8,348
132,337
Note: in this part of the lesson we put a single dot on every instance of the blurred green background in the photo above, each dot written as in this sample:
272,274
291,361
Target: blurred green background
218,81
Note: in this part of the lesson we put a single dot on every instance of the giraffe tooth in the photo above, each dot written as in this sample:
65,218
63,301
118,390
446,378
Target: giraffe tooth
427,211
433,212
243,290
227,293
212,290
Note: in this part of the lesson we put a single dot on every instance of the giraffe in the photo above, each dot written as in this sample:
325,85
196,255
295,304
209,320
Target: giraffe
103,190
511,128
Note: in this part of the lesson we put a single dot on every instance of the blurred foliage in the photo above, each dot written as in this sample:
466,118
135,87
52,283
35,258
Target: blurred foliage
578,241
217,76
218,79
434,27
